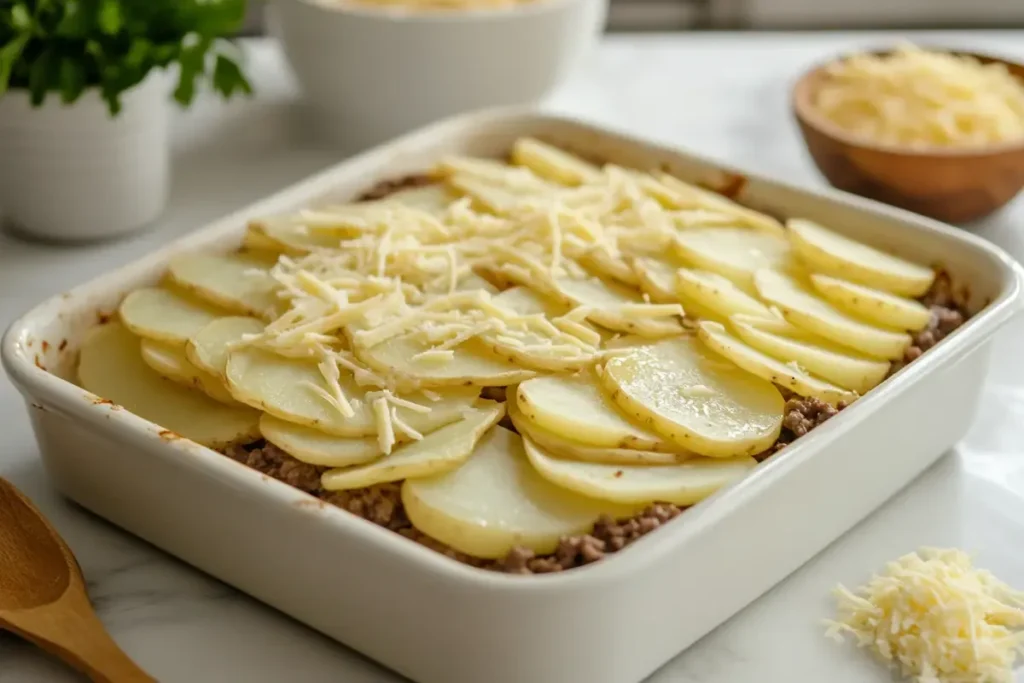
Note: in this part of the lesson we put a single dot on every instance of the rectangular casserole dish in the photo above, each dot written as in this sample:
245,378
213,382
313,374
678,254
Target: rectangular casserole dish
435,620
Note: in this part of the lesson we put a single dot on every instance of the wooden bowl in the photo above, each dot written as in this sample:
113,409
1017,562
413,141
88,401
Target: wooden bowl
951,185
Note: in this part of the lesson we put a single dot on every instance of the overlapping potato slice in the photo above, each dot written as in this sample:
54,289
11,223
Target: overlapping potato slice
694,398
683,195
410,360
788,375
436,453
715,293
163,315
603,264
525,301
802,308
831,253
318,448
496,501
567,447
288,237
433,199
111,366
209,347
612,306
873,305
683,484
237,283
283,387
170,362
553,163
657,278
734,253
815,354
576,407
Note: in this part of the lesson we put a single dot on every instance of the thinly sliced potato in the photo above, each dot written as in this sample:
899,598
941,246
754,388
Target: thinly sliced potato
170,362
234,282
683,484
788,375
282,387
163,315
802,308
683,195
472,363
694,398
565,447
209,347
433,199
817,355
255,243
735,253
289,237
715,293
657,279
607,301
473,282
110,365
496,501
314,447
873,305
525,301
576,407
828,252
603,264
553,163
436,453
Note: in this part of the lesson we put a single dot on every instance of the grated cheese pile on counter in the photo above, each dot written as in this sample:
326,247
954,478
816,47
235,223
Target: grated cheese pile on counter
936,618
923,98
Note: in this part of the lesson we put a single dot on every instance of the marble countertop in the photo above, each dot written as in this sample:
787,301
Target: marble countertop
724,95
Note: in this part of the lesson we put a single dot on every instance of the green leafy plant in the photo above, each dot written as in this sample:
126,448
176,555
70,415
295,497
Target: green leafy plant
67,46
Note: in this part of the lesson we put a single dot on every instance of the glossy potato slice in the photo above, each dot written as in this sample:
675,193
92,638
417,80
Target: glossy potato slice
110,365
433,199
280,386
288,237
525,301
209,347
694,398
683,195
576,407
170,362
873,305
234,282
607,301
552,163
573,449
496,501
314,447
163,315
436,453
717,294
819,356
806,310
657,279
831,253
789,375
683,484
734,253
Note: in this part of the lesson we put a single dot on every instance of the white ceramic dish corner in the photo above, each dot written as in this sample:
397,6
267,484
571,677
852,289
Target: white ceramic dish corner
437,621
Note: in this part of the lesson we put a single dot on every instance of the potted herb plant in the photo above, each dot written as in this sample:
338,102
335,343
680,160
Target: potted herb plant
85,89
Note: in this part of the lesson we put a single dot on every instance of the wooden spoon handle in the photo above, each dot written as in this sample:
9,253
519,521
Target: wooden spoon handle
75,634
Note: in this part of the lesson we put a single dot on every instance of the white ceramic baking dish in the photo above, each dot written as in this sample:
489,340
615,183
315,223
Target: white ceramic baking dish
437,621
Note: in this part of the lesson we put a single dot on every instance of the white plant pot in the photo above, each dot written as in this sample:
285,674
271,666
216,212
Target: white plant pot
73,173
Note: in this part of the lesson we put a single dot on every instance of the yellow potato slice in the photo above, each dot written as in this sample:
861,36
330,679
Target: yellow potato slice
473,282
166,316
318,448
657,279
602,264
873,305
734,253
789,375
281,386
257,244
683,195
717,294
472,363
209,347
552,163
433,199
111,366
234,282
577,450
496,501
576,407
607,301
806,310
833,254
289,237
525,301
694,398
170,362
683,484
436,453
816,355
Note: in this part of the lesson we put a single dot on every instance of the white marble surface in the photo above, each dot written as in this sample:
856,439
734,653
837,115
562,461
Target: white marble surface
723,95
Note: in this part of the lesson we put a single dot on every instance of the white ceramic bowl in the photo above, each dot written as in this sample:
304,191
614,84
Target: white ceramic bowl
369,73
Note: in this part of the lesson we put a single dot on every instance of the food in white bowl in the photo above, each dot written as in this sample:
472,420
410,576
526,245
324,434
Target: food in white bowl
406,328
370,72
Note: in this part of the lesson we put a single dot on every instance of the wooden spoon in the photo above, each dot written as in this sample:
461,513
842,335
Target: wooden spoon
43,598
